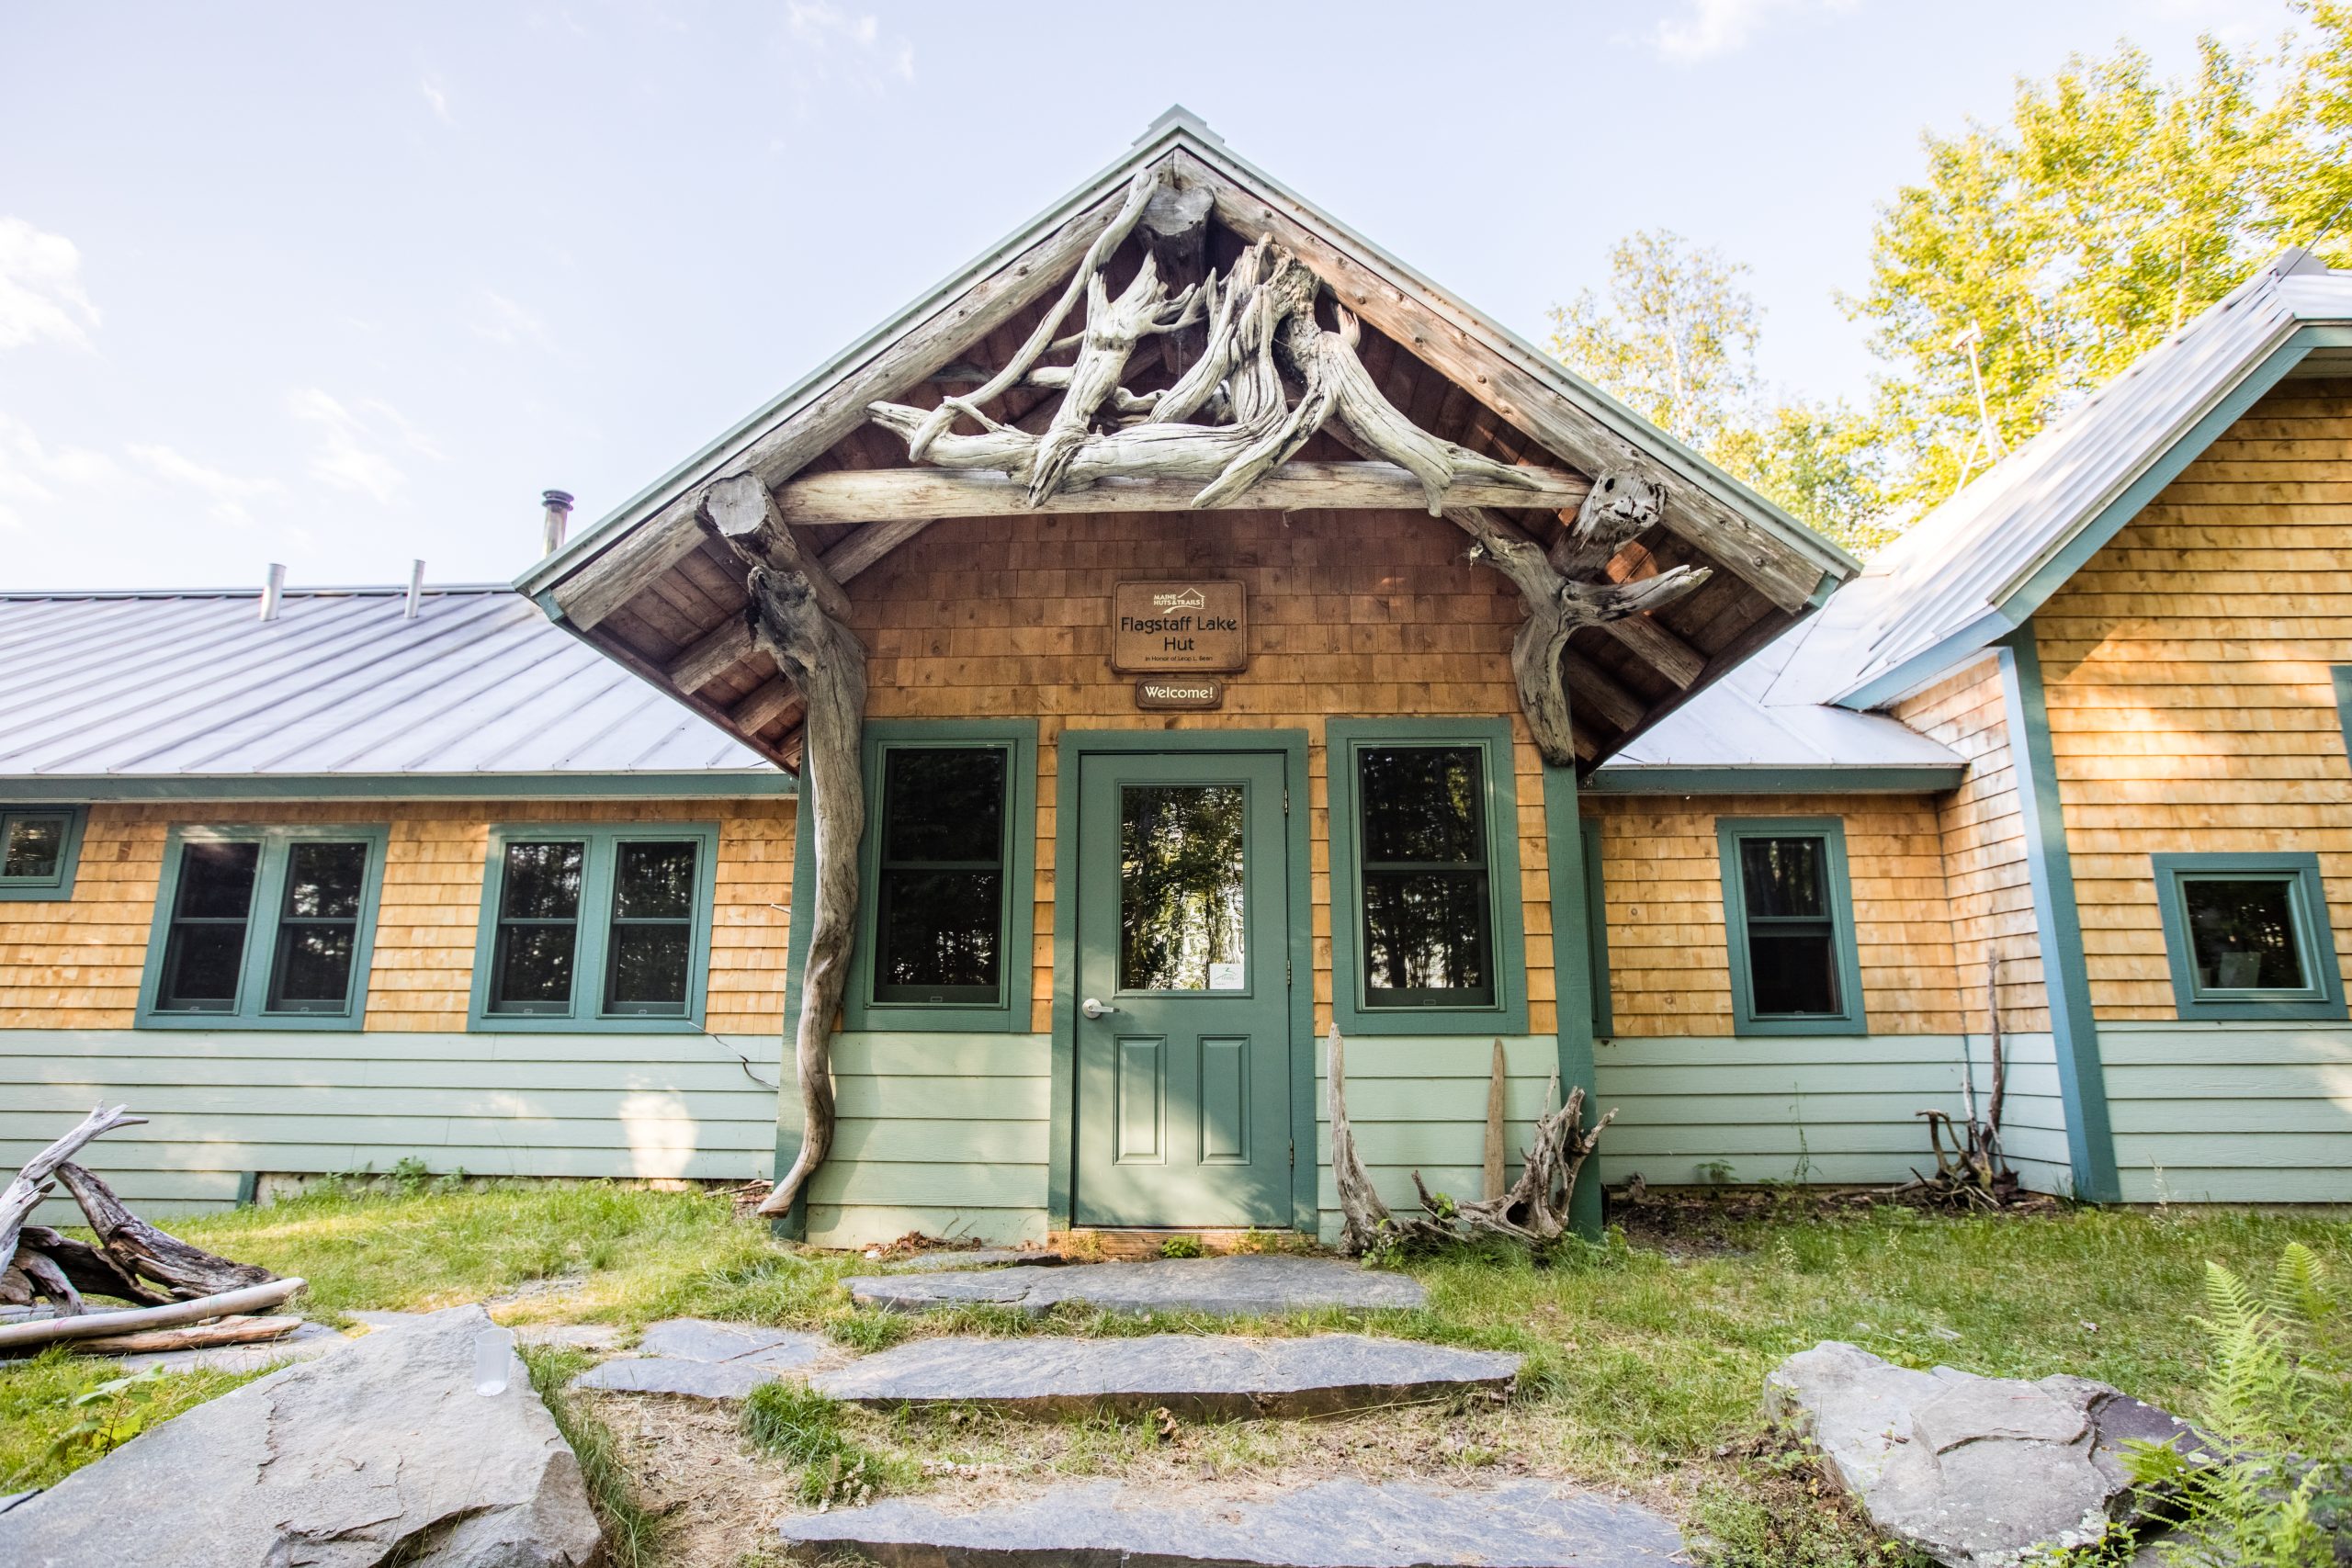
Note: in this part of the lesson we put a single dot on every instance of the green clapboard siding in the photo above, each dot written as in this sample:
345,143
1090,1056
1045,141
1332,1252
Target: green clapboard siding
2254,1113
943,1133
221,1106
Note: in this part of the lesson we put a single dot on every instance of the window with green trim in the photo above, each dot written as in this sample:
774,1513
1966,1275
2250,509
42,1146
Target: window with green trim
947,862
39,847
1424,843
2247,936
264,927
595,927
1788,920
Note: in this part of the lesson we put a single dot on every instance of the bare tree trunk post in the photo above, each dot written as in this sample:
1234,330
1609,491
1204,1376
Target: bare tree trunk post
1492,1186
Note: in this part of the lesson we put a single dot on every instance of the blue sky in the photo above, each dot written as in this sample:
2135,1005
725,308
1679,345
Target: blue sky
340,287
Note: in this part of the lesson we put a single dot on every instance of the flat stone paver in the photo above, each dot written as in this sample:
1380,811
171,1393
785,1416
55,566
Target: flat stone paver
1202,1377
703,1359
970,1258
1242,1284
1331,1524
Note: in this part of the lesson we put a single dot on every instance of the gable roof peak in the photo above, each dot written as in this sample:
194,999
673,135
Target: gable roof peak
1176,116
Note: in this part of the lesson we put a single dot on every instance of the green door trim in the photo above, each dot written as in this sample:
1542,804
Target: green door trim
1571,874
1290,745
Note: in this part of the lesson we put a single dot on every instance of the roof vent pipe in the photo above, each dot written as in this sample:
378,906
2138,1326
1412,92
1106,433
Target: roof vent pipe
415,589
558,505
272,592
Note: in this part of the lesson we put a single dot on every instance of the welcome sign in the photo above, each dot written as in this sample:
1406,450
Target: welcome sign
1178,625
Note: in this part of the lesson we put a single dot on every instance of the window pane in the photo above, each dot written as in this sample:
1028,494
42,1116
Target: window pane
33,847
1180,903
323,881
655,881
1784,876
943,804
542,882
1422,804
1426,932
533,968
647,968
2244,934
313,967
216,881
1793,969
200,965
936,935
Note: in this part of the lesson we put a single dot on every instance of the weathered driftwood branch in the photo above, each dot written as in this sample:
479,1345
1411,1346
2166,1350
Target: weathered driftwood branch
196,1336
1535,1209
1975,1169
98,1325
138,1249
798,615
33,1184
95,1271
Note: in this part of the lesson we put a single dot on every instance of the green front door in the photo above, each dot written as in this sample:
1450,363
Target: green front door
1184,1038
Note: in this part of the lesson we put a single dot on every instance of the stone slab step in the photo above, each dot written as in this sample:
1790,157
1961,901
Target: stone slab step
1330,1524
1202,1377
1250,1283
703,1359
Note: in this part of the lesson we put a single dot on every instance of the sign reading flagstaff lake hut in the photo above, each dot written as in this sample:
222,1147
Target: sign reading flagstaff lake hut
1178,626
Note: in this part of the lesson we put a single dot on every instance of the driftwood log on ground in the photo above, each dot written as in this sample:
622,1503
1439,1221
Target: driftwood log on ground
1973,1172
33,1184
1535,1209
236,1330
185,1272
32,1332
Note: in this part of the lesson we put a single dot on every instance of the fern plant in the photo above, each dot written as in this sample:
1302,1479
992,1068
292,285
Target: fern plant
2278,1408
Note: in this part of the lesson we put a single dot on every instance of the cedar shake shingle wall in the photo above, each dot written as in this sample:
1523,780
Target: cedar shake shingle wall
78,964
1983,845
2187,673
1669,973
1356,614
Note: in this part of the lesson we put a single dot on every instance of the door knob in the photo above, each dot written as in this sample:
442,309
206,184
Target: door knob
1093,1009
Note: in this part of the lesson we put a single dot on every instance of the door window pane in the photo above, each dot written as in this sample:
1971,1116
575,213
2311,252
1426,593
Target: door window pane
654,931
32,849
1182,904
1428,901
2242,933
205,952
318,928
939,893
1791,932
538,927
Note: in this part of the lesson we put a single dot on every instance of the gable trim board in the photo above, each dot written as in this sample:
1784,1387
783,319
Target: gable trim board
1833,779
2015,603
2082,1082
42,790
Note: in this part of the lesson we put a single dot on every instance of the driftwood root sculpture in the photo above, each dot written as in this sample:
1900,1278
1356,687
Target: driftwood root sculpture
1533,1210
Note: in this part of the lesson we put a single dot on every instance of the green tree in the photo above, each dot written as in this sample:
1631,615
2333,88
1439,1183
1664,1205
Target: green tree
2112,207
1675,341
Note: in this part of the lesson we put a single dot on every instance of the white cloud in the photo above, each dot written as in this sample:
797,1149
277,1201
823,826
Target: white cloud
436,98
356,445
33,475
509,324
225,494
1711,28
41,287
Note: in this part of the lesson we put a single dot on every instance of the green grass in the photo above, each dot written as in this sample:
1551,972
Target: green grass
805,1428
59,1411
629,1530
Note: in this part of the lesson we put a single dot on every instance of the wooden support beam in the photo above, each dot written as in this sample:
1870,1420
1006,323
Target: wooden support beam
870,544
745,512
711,656
1595,690
1658,648
865,494
763,706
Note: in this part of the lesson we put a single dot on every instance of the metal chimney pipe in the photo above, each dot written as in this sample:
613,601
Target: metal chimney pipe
558,505
415,589
272,592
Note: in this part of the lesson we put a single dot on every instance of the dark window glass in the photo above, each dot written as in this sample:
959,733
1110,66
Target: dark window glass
318,928
1181,892
538,927
1791,935
939,904
205,951
653,929
1427,937
2243,933
31,848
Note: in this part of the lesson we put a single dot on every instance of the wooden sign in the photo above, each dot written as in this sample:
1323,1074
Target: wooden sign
1179,692
1178,625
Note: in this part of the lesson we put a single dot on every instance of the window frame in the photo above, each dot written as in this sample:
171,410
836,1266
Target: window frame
586,1013
1010,1014
1343,739
276,840
1851,1017
54,889
2323,999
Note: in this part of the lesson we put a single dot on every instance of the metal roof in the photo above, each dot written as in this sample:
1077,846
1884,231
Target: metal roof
1735,737
1976,567
185,693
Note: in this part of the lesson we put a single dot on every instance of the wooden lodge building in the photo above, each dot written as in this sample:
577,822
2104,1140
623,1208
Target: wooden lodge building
985,773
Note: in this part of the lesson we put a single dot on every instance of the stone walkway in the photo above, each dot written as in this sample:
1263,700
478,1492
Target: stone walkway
703,1359
1243,1284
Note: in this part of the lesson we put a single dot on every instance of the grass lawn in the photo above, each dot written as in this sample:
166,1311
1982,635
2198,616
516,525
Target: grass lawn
1645,1359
